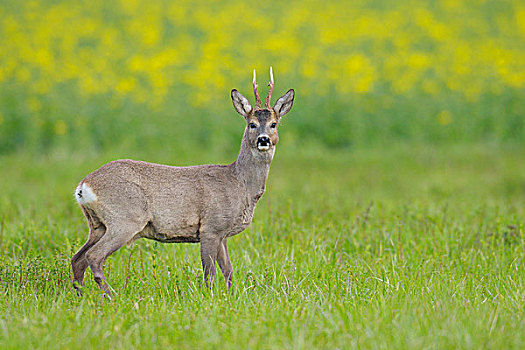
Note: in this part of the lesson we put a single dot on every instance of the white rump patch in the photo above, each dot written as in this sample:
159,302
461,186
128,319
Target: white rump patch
84,194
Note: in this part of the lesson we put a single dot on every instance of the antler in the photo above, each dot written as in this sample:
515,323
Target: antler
256,92
257,98
270,84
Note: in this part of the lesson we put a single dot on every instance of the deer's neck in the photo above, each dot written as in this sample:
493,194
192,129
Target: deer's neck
251,168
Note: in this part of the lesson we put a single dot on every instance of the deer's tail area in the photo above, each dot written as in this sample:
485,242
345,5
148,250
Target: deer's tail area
84,194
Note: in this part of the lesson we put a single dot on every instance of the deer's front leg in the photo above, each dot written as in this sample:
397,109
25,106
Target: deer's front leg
210,245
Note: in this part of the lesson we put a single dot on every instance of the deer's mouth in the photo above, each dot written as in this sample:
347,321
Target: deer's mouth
263,143
263,148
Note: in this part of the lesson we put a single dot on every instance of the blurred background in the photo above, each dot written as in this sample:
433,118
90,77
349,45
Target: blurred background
154,77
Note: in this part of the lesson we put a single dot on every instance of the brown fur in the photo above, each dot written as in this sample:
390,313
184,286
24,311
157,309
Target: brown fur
205,203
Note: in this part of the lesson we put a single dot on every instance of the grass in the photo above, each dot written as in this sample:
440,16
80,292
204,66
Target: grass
399,247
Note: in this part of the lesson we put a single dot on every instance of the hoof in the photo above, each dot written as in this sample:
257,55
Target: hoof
78,288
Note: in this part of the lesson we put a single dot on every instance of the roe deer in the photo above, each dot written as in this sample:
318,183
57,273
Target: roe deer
125,200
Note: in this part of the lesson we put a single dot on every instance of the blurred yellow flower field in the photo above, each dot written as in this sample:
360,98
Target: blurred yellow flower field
150,52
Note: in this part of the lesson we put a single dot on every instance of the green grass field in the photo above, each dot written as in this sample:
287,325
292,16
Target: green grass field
406,247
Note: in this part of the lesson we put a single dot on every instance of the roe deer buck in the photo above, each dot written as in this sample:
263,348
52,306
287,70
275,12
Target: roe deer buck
125,200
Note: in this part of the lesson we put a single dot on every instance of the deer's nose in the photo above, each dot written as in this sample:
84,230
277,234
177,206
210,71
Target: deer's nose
263,140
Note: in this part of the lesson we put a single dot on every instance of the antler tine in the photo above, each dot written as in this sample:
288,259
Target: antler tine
270,84
257,98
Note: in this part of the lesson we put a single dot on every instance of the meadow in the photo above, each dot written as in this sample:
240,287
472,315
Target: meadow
393,216
395,248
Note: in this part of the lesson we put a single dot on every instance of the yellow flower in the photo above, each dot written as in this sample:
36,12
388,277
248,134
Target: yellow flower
147,48
60,127
34,104
444,118
125,85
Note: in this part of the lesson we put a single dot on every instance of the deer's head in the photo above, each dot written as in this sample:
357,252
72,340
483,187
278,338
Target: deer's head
262,122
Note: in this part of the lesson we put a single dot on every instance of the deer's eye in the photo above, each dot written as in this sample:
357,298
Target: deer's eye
273,125
253,126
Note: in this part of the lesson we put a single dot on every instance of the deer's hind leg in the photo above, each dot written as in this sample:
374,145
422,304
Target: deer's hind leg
79,263
117,235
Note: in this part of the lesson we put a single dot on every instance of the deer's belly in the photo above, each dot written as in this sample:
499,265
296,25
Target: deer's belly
160,237
174,234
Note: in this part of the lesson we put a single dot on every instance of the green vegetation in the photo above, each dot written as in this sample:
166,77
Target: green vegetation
407,247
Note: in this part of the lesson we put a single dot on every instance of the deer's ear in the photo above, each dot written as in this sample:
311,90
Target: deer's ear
241,103
284,103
